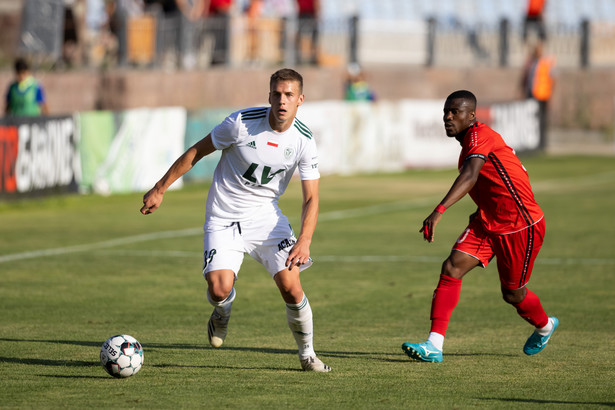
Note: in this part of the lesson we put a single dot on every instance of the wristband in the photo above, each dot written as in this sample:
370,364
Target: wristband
440,208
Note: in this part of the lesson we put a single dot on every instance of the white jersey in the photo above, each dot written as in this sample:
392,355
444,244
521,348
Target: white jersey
257,164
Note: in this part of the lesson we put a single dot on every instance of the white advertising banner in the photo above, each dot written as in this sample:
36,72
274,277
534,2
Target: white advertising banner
384,136
148,141
425,144
518,124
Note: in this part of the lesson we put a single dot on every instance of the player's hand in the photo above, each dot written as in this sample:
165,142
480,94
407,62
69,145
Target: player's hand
151,201
298,255
429,225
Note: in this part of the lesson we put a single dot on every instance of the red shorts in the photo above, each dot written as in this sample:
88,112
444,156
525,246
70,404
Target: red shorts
515,252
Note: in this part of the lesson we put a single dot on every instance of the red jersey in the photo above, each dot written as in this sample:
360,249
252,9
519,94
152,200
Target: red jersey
502,191
306,7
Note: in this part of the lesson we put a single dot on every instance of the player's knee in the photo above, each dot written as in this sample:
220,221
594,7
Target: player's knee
220,284
291,292
450,269
218,294
219,290
513,296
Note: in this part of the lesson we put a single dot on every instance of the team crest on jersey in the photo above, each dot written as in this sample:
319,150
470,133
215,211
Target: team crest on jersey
288,152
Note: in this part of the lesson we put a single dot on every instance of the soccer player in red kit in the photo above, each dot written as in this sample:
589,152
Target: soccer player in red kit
508,224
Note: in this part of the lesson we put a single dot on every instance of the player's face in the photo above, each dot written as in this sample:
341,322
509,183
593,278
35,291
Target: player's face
285,98
458,116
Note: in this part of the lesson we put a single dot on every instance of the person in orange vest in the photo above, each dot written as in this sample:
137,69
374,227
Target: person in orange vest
537,84
534,17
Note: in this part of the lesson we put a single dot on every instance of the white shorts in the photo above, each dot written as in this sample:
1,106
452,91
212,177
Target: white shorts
268,241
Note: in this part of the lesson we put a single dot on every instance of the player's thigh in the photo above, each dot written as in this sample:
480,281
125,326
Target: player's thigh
223,249
473,245
516,254
269,243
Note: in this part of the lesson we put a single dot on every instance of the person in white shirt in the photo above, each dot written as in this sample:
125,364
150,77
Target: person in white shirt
261,149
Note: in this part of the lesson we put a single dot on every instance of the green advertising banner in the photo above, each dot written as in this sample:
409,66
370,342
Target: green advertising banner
198,125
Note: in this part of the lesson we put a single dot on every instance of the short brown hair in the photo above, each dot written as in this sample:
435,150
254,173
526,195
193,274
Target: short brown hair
286,74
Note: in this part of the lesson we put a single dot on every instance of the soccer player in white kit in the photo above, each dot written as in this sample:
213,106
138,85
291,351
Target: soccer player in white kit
261,149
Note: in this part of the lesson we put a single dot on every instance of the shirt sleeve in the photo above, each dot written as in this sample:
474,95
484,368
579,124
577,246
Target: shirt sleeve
479,145
40,95
308,163
226,133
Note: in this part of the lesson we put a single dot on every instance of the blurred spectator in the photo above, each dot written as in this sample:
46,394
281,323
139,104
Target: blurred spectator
192,9
308,14
70,45
218,21
121,25
101,43
254,13
25,96
357,88
534,19
171,8
537,83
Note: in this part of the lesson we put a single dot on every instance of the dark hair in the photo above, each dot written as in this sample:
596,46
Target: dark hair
286,74
464,95
21,65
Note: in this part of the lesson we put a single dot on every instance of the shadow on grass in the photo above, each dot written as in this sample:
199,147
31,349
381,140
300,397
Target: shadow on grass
65,342
539,401
58,376
47,362
218,367
386,356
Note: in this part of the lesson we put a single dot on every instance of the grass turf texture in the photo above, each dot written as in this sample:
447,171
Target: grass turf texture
370,289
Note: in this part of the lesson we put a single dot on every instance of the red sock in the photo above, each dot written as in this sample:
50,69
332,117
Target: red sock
531,310
445,298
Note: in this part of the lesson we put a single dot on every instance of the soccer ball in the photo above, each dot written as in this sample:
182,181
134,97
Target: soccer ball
121,356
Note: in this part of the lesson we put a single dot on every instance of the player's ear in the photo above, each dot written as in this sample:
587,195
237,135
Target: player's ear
301,99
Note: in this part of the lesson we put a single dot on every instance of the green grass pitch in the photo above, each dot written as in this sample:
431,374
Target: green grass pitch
76,270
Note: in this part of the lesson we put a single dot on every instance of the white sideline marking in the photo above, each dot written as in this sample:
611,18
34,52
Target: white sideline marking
368,258
98,245
596,179
327,216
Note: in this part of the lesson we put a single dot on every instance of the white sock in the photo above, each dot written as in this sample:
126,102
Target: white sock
543,331
299,318
224,306
436,339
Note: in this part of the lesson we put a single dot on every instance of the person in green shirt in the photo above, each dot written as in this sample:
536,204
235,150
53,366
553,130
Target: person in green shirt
356,87
25,95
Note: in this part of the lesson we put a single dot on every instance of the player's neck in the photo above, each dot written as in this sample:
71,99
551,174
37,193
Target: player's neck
459,137
280,126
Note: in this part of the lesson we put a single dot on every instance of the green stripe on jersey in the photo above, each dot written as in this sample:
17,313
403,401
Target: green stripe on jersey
303,129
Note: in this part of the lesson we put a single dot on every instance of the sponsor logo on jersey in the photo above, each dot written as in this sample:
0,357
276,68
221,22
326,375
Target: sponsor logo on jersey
252,144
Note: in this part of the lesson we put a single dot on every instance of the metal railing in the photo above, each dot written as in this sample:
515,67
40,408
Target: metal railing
158,40
584,45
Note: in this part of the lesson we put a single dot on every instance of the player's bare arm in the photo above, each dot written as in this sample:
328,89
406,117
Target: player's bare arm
462,185
300,252
153,198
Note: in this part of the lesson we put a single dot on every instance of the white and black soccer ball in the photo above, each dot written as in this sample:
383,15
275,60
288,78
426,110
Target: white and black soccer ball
121,356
